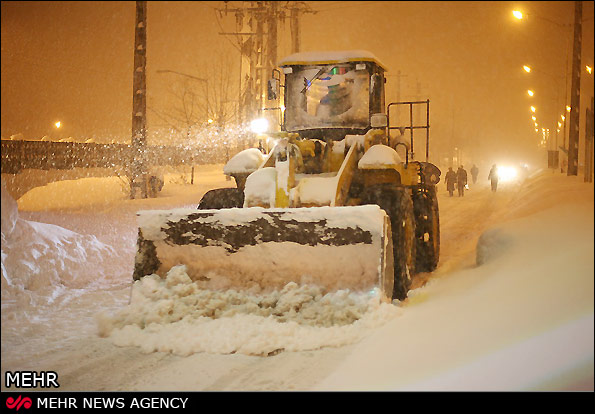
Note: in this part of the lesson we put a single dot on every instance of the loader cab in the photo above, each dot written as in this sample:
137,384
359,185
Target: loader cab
332,97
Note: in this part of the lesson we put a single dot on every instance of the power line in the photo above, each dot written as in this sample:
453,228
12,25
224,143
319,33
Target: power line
351,4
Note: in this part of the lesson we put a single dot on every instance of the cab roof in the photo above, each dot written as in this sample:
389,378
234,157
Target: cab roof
313,58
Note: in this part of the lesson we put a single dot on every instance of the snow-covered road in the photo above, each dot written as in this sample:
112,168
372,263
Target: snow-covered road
523,320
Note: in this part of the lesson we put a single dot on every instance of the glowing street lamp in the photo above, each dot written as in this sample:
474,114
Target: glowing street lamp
589,69
530,92
519,15
568,108
563,117
58,124
533,109
533,118
527,69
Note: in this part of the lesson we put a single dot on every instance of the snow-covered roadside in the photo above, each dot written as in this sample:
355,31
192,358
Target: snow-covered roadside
443,336
522,320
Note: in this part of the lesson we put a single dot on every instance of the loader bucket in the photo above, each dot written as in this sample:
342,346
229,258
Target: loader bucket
261,249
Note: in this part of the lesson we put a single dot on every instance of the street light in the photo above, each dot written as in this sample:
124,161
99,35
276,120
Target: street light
533,109
58,124
519,15
589,69
530,92
566,30
556,79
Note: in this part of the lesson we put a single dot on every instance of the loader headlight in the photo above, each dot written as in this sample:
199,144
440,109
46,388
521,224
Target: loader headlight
259,126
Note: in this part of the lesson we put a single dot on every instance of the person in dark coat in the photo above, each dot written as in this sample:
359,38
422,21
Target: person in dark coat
474,172
450,179
493,177
461,180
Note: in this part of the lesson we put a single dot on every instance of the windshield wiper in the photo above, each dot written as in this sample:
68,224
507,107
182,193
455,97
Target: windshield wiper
309,82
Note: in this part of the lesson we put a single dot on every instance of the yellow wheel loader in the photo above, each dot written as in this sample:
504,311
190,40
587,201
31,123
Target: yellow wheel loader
332,203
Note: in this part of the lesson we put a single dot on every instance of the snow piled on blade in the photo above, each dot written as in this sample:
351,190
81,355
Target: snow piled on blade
175,315
255,248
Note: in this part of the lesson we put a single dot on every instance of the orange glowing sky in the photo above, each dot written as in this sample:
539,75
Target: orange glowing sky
72,62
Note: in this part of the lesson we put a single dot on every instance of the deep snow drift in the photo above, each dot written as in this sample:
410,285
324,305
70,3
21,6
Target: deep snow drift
42,261
521,320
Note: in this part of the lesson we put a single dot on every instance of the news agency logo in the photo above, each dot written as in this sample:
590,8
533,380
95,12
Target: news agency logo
31,379
18,403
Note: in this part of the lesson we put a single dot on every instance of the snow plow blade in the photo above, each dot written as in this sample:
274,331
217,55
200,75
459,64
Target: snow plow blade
260,249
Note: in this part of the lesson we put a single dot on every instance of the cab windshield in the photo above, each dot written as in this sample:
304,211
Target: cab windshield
327,96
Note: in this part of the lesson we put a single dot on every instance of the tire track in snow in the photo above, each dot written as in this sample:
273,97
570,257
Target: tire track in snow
462,221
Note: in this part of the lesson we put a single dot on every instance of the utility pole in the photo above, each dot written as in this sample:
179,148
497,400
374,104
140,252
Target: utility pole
296,8
589,144
294,25
139,103
272,37
259,49
575,91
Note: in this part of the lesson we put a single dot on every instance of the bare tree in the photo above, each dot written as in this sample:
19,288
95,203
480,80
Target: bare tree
185,111
195,104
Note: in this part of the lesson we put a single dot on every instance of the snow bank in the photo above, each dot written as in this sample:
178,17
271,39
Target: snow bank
521,320
175,315
10,213
39,261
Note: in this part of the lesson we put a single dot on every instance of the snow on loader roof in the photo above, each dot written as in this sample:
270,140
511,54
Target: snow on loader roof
312,58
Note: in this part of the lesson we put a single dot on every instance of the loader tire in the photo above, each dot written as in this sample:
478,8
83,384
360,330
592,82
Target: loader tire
222,198
396,202
427,228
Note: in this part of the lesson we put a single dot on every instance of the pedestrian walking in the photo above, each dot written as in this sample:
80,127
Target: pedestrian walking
450,179
493,177
474,173
461,180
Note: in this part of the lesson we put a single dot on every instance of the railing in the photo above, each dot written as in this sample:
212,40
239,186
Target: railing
47,155
412,127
